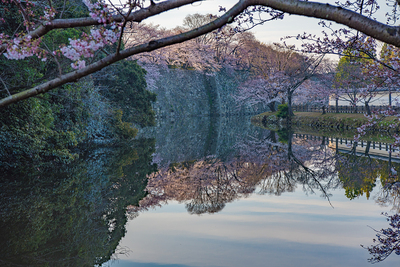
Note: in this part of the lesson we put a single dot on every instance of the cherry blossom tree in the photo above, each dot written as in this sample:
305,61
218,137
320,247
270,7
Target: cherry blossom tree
260,87
224,43
188,55
375,71
224,47
318,90
110,21
277,73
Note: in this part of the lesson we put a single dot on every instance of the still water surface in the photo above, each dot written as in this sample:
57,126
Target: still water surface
234,195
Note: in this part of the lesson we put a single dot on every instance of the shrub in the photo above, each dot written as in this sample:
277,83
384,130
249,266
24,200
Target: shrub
283,111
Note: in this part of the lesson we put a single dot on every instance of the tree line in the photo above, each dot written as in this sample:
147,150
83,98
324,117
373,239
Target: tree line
50,48
109,22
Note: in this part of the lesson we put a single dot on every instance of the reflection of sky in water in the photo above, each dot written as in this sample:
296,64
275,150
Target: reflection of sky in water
261,230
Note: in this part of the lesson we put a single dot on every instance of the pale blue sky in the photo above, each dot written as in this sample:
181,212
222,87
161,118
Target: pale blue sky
293,229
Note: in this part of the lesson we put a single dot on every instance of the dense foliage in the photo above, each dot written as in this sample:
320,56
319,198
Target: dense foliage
283,111
75,214
125,87
51,126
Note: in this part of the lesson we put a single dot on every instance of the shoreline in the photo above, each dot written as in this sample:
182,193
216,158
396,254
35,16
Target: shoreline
332,124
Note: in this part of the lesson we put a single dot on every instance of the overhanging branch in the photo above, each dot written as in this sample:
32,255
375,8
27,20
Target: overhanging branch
380,31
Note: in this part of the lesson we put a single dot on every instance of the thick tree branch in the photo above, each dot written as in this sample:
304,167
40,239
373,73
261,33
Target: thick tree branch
382,32
147,47
136,16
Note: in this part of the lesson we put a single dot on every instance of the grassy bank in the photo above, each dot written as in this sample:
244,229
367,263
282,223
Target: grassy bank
332,124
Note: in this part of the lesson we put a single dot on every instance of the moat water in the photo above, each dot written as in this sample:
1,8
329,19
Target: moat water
203,192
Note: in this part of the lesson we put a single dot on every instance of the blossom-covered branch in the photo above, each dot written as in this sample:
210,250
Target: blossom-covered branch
27,43
388,240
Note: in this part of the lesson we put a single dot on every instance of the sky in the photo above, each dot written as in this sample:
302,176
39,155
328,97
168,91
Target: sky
293,229
270,32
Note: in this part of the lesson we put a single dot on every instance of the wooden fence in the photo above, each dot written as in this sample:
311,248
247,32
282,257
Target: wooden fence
381,150
340,109
348,142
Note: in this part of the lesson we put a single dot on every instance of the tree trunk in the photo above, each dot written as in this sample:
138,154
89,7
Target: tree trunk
290,140
367,108
337,145
337,105
290,112
367,148
355,109
271,106
323,110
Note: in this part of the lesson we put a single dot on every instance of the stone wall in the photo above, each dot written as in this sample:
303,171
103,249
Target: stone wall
191,138
183,93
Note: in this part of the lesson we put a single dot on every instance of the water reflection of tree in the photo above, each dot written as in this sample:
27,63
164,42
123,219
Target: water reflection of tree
71,215
387,240
308,163
206,185
357,174
389,195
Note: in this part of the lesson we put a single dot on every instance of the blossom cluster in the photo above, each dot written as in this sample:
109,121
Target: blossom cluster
23,46
388,240
49,14
99,11
89,44
374,119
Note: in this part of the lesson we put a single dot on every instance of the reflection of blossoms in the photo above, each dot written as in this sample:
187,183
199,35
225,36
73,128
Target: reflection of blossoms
204,186
388,240
389,195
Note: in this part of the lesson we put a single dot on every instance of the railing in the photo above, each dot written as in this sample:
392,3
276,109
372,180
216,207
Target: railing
376,149
347,142
340,109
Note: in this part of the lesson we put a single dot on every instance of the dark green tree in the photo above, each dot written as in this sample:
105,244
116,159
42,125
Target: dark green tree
72,215
124,84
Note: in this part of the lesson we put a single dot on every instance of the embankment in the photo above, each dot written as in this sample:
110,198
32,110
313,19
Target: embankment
329,121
